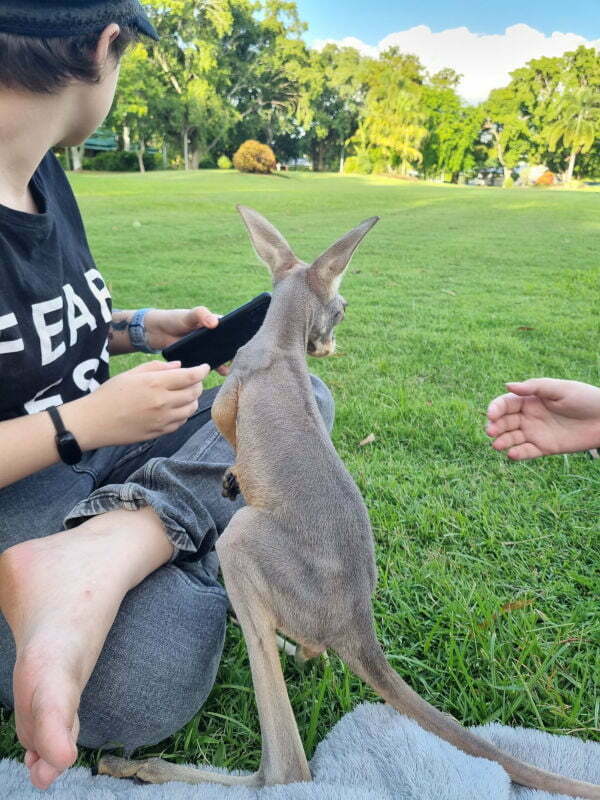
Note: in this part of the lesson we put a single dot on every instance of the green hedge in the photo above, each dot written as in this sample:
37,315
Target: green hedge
121,161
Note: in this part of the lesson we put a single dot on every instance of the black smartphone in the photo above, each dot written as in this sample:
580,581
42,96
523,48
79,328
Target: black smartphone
219,345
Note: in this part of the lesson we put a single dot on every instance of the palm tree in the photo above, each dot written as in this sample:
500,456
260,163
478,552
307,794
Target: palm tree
396,124
576,120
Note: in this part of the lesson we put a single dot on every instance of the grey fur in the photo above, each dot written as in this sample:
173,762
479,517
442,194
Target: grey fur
299,558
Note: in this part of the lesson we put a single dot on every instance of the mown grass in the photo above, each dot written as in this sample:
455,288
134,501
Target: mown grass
489,571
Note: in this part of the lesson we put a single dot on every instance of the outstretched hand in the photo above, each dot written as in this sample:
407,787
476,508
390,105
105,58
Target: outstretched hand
544,417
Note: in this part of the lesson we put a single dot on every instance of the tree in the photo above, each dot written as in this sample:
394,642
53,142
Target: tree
574,116
577,123
453,128
227,60
535,87
505,128
136,111
330,102
393,118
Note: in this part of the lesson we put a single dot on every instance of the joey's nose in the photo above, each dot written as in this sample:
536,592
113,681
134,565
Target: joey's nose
322,349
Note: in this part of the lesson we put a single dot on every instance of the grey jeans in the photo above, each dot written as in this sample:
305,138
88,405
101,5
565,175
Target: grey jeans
161,657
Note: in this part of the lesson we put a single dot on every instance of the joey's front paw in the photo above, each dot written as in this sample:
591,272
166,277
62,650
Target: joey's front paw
231,487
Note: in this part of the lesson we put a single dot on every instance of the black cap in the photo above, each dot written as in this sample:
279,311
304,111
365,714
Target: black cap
47,19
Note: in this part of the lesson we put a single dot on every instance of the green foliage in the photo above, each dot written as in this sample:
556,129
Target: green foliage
255,157
329,106
224,162
121,161
393,117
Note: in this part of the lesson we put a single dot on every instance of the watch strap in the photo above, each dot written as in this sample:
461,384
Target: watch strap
137,332
57,420
66,444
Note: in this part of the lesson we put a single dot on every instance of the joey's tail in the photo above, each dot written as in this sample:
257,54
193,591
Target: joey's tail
369,663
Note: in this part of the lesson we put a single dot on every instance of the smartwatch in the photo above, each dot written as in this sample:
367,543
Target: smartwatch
66,443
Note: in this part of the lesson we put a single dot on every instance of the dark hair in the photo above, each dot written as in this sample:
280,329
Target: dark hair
47,65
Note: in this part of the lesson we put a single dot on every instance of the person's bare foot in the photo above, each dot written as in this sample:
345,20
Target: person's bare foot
60,596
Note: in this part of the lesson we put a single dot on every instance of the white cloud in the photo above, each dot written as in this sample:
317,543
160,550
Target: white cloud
485,60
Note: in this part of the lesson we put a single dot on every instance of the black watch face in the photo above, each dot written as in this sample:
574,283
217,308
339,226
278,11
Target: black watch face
69,450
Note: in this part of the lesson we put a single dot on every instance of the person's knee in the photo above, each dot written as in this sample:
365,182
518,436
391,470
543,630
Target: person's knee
325,401
155,676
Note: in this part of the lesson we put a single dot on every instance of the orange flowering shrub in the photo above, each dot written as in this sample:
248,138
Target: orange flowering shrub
255,157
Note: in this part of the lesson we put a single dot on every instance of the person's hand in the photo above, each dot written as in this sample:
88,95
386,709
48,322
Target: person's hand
164,328
144,403
544,417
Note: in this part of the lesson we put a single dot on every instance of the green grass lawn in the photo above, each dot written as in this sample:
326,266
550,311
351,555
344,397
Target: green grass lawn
489,571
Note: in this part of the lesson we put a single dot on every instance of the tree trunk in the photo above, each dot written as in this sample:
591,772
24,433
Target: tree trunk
321,157
571,167
186,147
165,155
126,138
342,160
195,156
140,156
77,157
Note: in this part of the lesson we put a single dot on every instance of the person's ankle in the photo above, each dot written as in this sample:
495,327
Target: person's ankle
140,537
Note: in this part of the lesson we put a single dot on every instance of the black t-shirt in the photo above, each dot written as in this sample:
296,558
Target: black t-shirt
54,305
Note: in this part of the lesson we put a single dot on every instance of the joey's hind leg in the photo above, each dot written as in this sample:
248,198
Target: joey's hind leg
283,758
155,770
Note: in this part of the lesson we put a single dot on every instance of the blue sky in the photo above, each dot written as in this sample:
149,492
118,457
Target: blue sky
371,20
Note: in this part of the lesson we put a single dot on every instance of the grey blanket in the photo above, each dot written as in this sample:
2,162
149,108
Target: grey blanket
372,754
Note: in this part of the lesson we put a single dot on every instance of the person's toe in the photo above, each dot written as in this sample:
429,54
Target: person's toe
43,775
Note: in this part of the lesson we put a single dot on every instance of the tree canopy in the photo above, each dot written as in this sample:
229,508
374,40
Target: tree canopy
226,71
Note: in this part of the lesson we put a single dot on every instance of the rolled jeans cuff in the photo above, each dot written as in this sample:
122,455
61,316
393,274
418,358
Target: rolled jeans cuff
191,532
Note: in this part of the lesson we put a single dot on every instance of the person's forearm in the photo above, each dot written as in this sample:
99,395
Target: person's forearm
28,443
119,341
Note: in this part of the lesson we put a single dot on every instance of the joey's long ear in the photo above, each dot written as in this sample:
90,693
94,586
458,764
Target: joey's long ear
329,268
269,244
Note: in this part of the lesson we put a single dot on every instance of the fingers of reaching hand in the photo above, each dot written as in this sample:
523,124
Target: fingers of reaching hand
509,439
508,422
506,404
519,449
546,388
524,452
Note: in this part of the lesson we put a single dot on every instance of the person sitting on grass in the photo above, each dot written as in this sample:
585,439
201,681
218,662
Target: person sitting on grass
113,619
544,417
